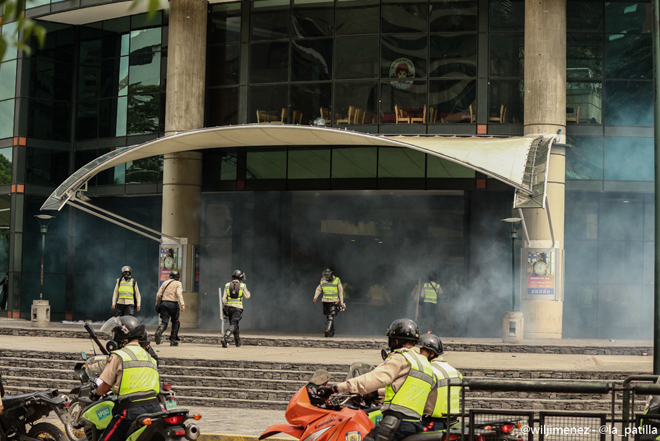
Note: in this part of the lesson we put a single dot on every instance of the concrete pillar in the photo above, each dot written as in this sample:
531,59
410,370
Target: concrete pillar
182,172
545,113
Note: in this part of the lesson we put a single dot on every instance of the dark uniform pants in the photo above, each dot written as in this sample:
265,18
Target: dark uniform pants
427,316
393,430
235,315
121,422
330,310
123,310
167,310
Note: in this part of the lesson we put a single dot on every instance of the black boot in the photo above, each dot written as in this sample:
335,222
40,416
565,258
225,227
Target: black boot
224,338
159,332
237,339
329,328
174,338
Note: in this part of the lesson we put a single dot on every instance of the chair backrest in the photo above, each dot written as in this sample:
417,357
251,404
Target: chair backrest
577,115
359,116
297,117
260,116
473,117
424,117
433,115
285,115
503,114
398,114
325,114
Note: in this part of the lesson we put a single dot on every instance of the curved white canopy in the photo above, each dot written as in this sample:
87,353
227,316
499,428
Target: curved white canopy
510,160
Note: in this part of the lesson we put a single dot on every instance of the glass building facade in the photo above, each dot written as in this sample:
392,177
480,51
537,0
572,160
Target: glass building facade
437,67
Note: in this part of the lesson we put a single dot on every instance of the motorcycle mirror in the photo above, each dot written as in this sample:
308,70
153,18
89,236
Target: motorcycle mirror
83,356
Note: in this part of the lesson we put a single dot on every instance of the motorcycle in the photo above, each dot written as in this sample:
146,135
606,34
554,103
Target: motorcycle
22,411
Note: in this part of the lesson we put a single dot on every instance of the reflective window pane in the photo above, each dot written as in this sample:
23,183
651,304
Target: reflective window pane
224,23
441,168
454,55
453,16
269,62
584,16
6,119
357,57
108,124
46,167
585,159
7,80
269,20
584,102
122,115
87,120
628,18
507,53
268,104
506,102
50,120
453,101
628,56
629,103
9,32
404,56
311,60
222,107
584,55
89,78
410,96
629,159
357,17
5,172
266,164
354,162
394,162
404,16
355,103
307,100
143,114
309,163
223,66
144,171
507,15
219,165
144,73
313,18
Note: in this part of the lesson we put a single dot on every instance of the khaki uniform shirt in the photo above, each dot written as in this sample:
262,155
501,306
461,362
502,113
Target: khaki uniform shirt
246,293
115,294
393,371
112,373
340,291
171,291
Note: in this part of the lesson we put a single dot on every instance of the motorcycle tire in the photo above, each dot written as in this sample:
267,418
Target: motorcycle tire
75,409
46,431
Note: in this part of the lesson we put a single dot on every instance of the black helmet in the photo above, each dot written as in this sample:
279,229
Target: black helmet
433,276
126,269
124,329
432,343
238,274
400,331
174,275
328,272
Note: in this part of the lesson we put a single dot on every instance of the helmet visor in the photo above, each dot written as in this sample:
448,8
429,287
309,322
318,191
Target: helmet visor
111,324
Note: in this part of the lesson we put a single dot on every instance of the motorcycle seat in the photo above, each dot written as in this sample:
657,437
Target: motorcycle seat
9,400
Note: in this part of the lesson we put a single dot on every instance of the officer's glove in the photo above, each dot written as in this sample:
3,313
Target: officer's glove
326,391
370,397
94,396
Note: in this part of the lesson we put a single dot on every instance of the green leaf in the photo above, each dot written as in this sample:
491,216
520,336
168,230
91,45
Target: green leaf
8,11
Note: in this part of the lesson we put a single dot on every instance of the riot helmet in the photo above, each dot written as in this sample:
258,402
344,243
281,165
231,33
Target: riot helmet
328,272
400,332
432,343
123,330
433,276
174,275
238,274
126,271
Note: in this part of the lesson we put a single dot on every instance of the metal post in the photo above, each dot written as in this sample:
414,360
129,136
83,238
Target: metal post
656,144
514,234
43,251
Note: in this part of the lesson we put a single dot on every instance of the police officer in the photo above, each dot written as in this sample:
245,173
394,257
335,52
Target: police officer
232,304
132,374
170,297
126,295
408,379
428,299
333,298
449,384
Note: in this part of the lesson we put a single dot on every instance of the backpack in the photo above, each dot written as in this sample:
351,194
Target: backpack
234,288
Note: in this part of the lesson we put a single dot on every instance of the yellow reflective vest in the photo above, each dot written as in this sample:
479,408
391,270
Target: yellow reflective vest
238,301
431,290
139,372
411,397
126,288
377,295
449,381
330,289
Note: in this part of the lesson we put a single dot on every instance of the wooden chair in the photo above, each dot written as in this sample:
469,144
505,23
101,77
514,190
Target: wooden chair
473,115
433,115
297,117
262,117
283,117
350,118
501,118
360,115
422,119
400,115
576,120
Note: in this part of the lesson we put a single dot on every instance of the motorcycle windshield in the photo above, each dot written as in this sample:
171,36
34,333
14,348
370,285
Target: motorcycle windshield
358,369
110,325
95,365
320,377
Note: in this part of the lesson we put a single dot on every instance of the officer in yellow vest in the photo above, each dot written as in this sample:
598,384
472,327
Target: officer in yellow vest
132,374
449,385
378,295
232,303
126,295
333,298
428,301
408,379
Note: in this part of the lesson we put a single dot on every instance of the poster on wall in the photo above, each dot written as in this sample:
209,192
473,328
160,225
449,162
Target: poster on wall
541,272
170,260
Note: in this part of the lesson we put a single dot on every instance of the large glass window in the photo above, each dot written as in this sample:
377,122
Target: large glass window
357,57
453,16
584,56
222,107
357,17
354,162
7,80
313,18
628,17
506,102
355,102
219,165
404,56
307,100
311,60
46,167
309,163
452,101
270,19
584,102
409,96
404,16
507,55
629,159
269,62
5,170
584,16
266,164
585,159
49,120
225,23
507,15
441,168
144,171
223,65
268,104
396,162
629,103
454,55
6,119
